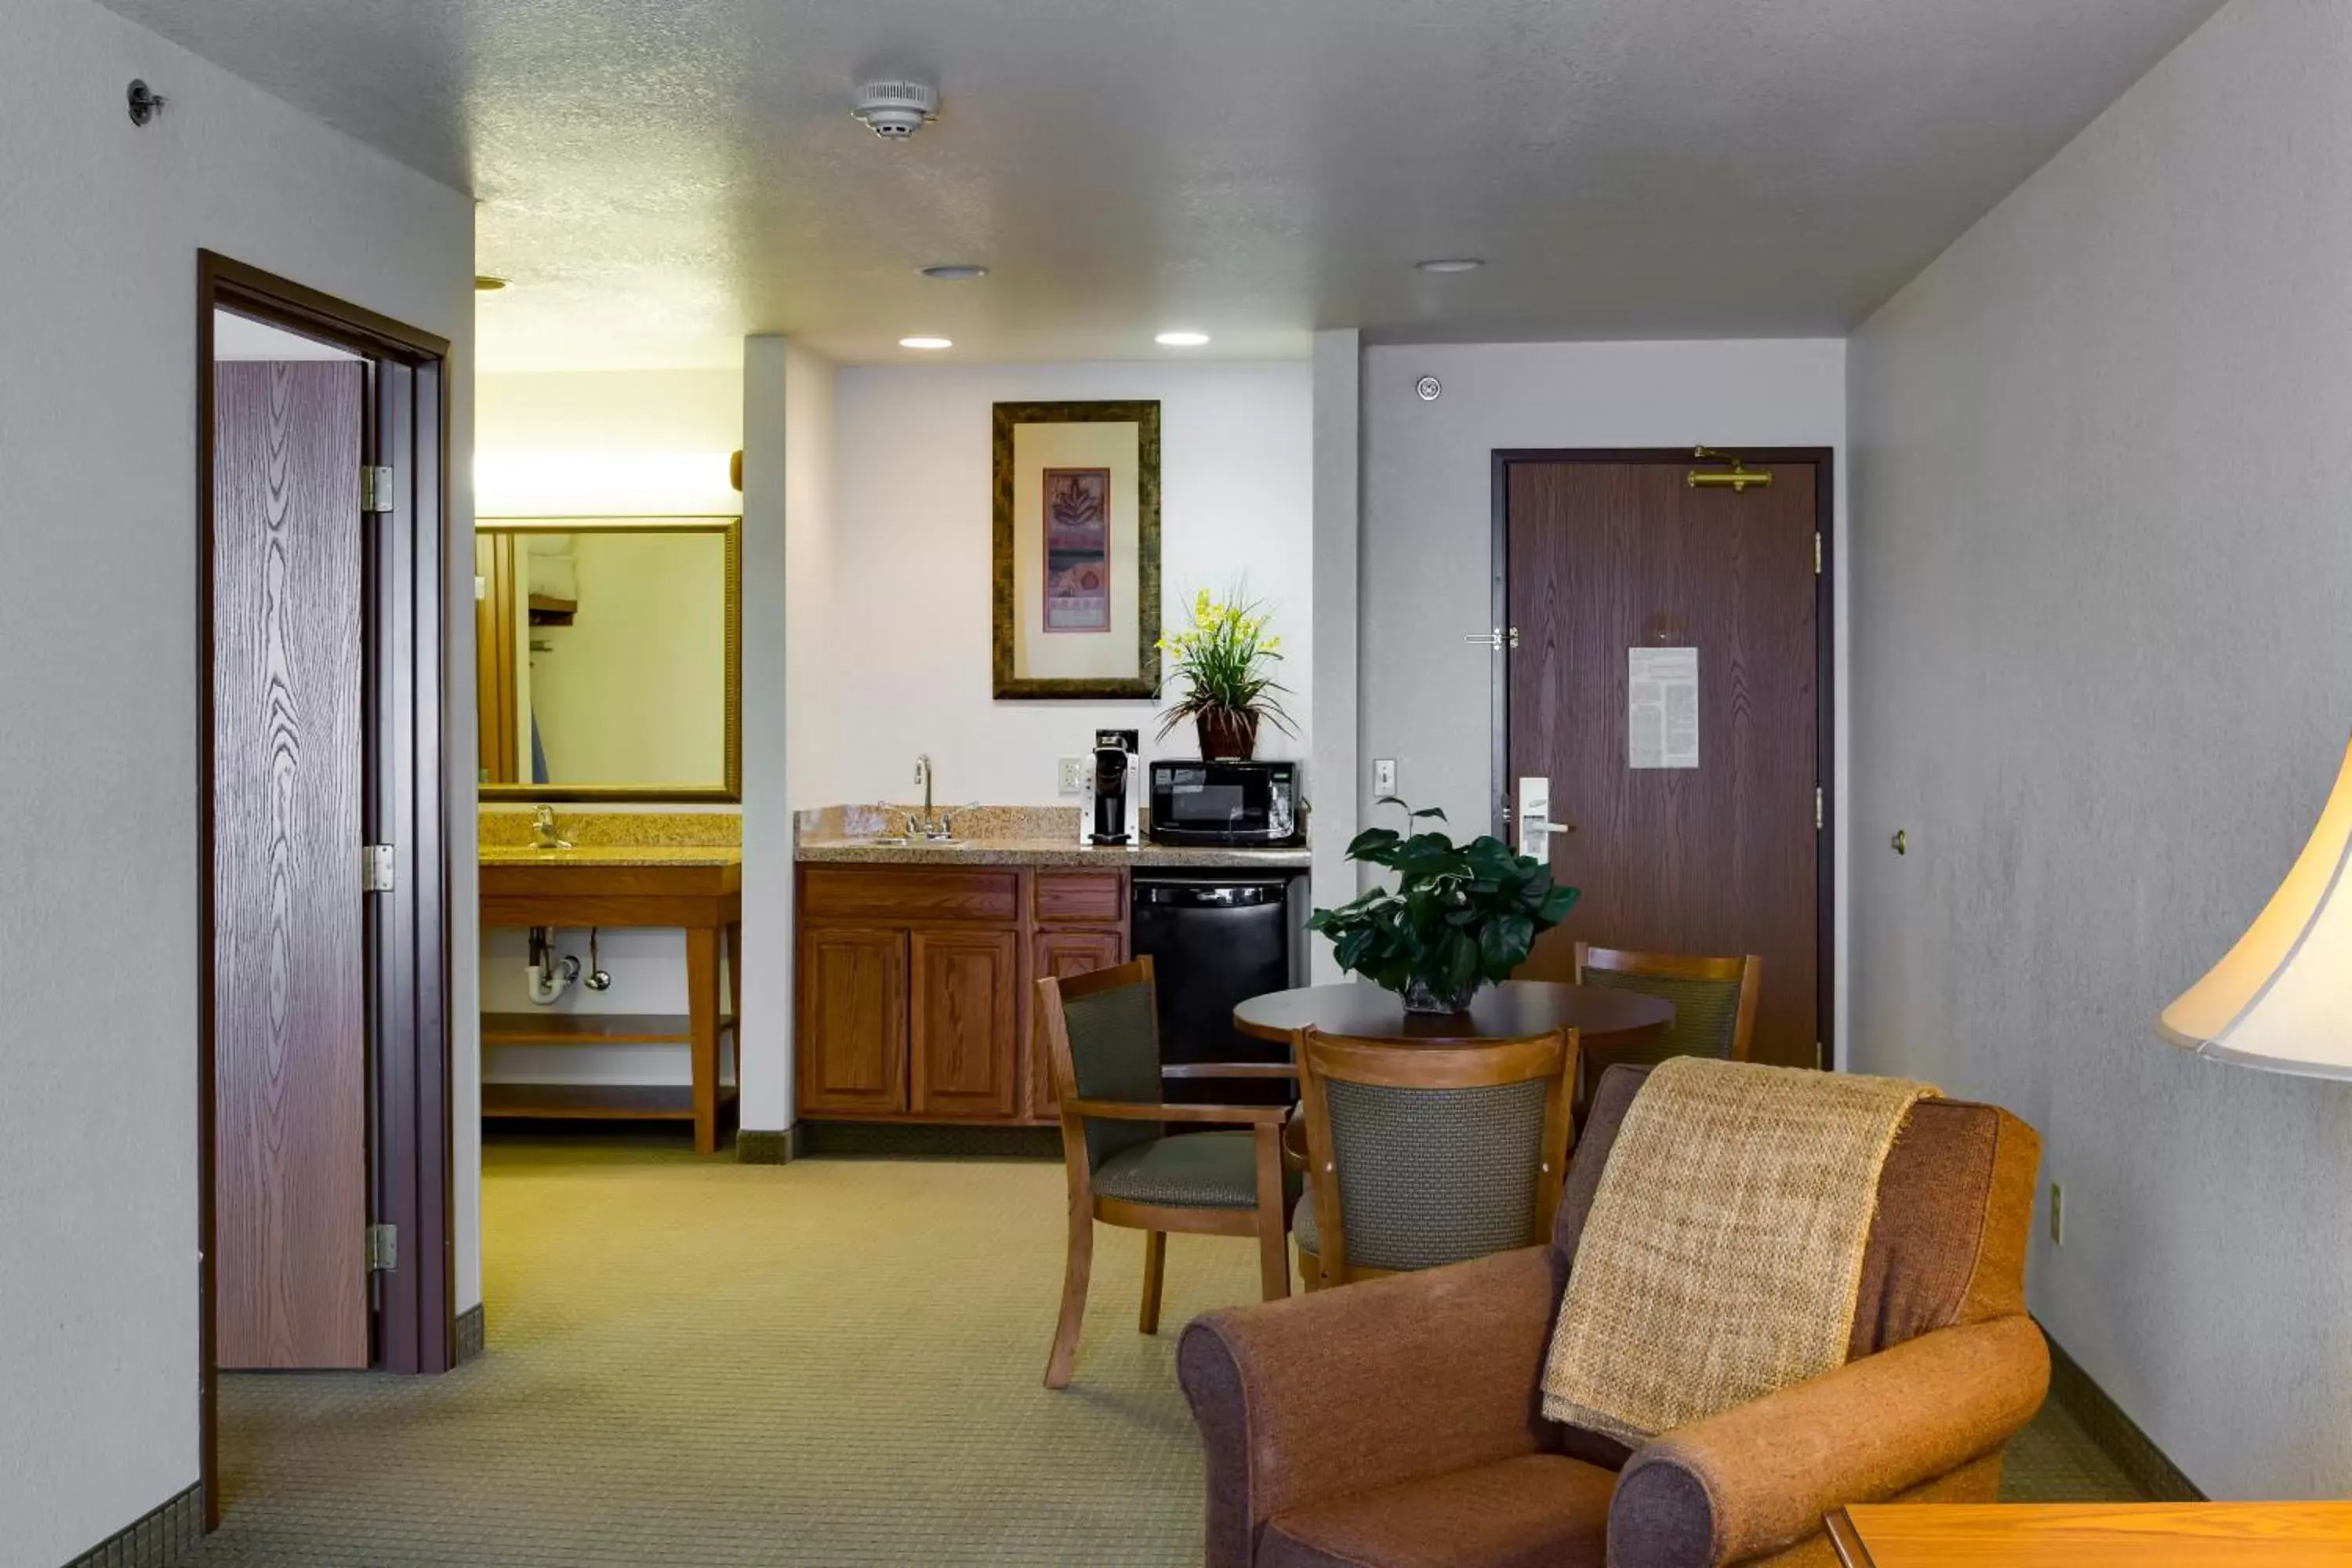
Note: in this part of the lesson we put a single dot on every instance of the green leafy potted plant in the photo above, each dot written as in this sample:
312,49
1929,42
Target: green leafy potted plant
1460,915
1227,662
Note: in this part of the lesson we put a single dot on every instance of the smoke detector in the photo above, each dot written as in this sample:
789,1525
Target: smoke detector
898,108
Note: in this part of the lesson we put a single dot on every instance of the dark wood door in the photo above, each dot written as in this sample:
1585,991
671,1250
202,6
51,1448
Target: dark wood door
852,1045
1059,955
290,964
1717,858
964,1034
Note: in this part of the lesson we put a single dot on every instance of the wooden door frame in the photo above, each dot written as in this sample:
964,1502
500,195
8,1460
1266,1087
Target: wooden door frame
404,802
1823,461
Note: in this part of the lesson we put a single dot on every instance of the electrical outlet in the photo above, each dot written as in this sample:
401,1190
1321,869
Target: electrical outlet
2057,1214
1074,770
1384,775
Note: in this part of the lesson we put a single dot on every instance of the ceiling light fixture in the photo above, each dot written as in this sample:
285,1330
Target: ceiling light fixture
486,284
1181,340
926,342
1451,264
955,272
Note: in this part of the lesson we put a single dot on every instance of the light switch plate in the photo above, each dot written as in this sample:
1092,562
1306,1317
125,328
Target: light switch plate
1072,780
1384,775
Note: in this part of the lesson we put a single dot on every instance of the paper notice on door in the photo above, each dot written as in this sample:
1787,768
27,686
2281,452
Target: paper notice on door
1662,707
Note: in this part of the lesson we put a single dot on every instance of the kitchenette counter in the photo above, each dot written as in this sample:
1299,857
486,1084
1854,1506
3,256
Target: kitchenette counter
866,851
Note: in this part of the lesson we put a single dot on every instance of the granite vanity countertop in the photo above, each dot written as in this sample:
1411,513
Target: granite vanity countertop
614,855
866,851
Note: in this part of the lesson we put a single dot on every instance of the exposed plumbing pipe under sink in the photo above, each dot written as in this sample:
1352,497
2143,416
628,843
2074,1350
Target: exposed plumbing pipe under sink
551,974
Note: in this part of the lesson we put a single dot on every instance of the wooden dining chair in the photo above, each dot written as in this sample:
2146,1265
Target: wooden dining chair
1101,1032
1714,998
1423,1155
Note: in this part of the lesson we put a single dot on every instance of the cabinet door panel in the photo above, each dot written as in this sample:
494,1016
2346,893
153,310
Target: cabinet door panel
1060,954
964,1035
853,1025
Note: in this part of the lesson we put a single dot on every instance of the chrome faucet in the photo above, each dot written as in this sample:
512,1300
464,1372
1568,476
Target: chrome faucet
933,824
542,830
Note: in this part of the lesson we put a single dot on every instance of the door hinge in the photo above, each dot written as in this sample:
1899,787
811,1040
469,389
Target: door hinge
382,1248
1499,638
1817,552
375,488
1818,803
376,868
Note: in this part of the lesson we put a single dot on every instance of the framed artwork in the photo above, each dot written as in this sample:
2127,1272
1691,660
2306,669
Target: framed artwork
1076,608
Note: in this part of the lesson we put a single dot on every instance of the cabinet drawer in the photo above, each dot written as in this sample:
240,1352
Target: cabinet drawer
891,896
1081,899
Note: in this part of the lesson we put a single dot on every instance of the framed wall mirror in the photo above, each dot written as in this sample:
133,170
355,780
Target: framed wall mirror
608,659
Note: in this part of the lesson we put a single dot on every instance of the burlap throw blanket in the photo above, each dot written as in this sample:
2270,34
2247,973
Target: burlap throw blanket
1724,1250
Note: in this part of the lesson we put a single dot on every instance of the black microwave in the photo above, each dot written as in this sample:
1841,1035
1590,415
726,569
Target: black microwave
1242,805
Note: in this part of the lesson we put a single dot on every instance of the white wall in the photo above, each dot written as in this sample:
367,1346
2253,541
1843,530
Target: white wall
912,468
611,443
1428,511
789,657
97,777
1339,593
2104,672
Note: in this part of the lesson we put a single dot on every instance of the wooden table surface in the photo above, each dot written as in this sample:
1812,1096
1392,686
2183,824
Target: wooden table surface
1516,1008
2093,1535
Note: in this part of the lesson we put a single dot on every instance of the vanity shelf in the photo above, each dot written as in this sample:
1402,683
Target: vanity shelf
594,1028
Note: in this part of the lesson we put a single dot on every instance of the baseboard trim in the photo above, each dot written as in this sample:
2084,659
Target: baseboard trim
161,1537
473,1327
2132,1449
927,1140
755,1147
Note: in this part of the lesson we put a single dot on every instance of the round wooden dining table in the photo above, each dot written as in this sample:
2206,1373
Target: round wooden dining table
1606,1020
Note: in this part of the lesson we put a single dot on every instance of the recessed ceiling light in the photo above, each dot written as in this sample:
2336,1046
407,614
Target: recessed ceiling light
926,342
1181,340
1451,264
486,284
955,272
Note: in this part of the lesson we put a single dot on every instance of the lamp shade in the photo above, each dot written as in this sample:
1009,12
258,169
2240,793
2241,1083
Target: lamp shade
2282,997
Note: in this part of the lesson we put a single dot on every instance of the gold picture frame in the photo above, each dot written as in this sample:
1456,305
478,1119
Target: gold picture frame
1071,618
497,637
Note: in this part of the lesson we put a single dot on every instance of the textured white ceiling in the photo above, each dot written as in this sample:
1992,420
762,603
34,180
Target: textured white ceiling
659,177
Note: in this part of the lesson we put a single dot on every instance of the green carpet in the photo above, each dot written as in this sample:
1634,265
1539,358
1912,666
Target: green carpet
695,1361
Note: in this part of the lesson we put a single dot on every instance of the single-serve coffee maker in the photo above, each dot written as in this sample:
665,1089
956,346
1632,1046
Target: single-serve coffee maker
1116,795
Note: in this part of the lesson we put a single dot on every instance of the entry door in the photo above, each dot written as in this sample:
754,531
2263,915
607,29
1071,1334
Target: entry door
1700,842
290,977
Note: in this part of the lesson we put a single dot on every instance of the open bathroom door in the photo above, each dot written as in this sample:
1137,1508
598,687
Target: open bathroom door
289,998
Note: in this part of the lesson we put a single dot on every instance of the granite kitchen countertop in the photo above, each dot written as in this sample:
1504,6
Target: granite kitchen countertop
869,851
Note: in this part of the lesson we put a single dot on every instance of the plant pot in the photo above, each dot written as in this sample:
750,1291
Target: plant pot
1420,998
1226,736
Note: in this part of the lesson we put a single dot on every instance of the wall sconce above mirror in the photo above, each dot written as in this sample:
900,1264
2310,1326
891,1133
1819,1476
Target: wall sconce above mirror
608,657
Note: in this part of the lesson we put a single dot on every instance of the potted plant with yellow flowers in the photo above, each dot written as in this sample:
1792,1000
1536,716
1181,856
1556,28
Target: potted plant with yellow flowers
1227,662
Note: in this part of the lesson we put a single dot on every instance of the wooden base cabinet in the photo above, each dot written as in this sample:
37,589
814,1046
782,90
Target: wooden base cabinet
852,1039
915,985
966,1023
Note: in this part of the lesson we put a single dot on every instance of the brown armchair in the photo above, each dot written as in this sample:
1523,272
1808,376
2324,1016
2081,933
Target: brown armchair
1398,1424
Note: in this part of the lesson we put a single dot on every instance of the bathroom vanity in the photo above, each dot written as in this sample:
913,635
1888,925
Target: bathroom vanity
695,887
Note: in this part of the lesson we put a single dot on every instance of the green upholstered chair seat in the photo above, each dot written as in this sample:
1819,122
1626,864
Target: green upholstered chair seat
1189,1171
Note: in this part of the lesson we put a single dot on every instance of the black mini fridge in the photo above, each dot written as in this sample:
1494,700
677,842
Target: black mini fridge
1215,939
